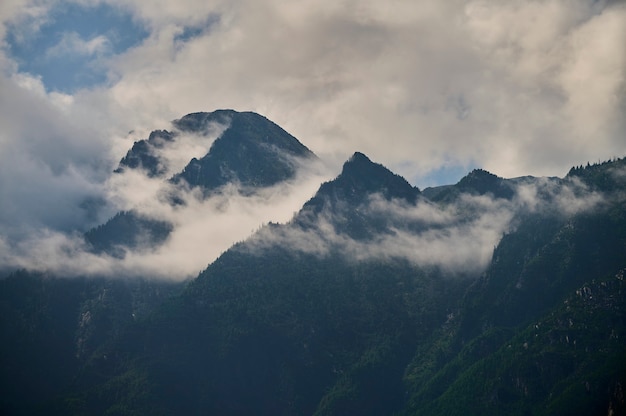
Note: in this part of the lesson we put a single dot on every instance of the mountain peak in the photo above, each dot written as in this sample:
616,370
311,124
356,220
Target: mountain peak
478,175
480,181
360,178
359,164
252,151
199,121
143,154
344,201
359,173
358,157
477,182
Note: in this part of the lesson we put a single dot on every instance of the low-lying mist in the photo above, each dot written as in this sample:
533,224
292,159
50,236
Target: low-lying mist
202,229
458,237
48,234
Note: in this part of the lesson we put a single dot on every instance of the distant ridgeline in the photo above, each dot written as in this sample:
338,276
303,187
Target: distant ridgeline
354,307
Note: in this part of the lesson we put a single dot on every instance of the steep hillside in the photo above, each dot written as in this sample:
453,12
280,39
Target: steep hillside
51,326
271,330
490,296
531,330
127,230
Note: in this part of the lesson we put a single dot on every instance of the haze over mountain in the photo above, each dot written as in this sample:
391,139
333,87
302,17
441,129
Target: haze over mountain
487,296
250,154
183,196
439,256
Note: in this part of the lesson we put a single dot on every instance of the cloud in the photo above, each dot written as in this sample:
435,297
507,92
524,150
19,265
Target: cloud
203,228
457,238
481,82
26,16
49,162
56,182
73,44
516,87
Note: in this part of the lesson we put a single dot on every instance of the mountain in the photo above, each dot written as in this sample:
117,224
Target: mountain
486,297
250,153
145,154
274,327
540,328
478,182
127,230
360,178
267,329
345,198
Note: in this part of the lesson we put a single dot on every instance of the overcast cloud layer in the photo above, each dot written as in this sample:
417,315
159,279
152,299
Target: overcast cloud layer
516,87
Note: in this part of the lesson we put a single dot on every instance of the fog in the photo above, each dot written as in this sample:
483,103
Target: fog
457,238
202,227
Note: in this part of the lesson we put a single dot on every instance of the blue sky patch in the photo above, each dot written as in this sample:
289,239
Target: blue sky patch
69,49
445,175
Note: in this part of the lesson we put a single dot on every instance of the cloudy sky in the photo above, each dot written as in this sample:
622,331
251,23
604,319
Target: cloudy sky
430,89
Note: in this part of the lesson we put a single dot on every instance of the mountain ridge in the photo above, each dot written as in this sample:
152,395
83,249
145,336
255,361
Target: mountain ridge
271,303
291,330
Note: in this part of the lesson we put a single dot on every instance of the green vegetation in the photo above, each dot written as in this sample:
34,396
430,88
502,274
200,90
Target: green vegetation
127,230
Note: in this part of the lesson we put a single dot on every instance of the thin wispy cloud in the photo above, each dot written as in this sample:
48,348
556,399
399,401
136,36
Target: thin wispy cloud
72,43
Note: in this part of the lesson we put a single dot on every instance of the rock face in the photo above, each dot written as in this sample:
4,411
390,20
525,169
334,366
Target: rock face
144,154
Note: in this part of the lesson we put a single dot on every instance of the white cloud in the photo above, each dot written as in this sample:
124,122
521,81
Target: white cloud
515,87
50,162
485,82
25,16
203,228
72,43
458,238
